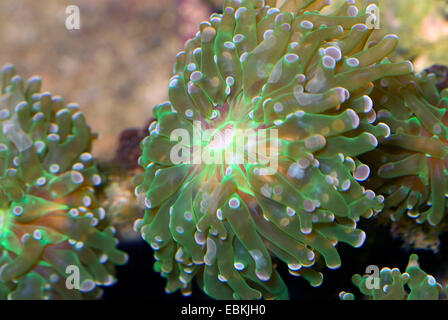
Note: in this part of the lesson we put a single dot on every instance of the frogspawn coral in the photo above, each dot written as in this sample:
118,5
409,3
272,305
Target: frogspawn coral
411,164
50,219
303,73
413,284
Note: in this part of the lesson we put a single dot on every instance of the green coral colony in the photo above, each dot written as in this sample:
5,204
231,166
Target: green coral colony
306,69
412,163
413,284
50,217
345,123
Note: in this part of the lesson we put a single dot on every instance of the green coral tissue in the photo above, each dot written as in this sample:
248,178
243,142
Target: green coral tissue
413,284
50,218
304,70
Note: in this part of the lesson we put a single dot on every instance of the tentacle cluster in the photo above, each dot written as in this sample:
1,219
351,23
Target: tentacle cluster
411,164
305,69
413,284
50,218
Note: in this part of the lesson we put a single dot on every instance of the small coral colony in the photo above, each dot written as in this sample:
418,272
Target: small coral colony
355,136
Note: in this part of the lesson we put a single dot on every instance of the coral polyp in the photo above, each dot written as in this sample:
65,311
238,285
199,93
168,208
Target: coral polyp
300,77
413,284
412,162
50,220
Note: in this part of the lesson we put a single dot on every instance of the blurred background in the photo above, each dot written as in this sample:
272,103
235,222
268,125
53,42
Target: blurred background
117,67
